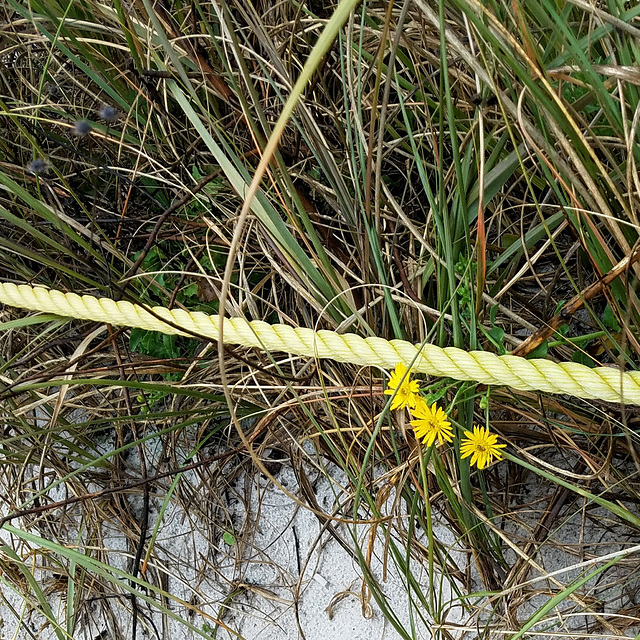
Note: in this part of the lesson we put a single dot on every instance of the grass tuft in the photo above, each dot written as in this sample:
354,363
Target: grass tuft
463,173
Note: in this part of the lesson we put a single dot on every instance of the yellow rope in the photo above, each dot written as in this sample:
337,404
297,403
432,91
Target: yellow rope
602,383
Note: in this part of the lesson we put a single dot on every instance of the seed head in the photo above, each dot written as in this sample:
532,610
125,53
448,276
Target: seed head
82,128
109,113
38,166
53,90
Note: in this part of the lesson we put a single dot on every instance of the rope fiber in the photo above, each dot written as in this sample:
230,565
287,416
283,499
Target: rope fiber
601,383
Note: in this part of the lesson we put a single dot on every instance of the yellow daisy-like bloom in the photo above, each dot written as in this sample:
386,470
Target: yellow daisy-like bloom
404,392
482,445
431,423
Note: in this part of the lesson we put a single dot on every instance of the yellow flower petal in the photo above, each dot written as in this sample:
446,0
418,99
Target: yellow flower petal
482,446
405,391
430,423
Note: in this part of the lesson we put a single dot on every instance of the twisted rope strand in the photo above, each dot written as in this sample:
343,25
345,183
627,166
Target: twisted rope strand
602,383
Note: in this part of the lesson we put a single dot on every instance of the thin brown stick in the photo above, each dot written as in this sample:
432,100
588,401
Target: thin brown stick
543,333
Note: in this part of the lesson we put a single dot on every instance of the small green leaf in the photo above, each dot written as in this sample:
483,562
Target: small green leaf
559,307
609,319
229,538
582,358
540,351
136,338
435,396
496,335
191,291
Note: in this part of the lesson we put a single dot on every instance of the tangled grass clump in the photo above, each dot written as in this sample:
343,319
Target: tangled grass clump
459,175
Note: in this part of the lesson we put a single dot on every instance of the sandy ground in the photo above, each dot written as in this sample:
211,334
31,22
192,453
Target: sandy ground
284,576
280,572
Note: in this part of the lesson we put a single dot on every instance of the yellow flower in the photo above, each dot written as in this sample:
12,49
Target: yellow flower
404,392
431,423
482,445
